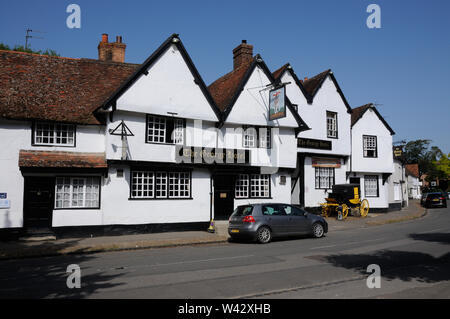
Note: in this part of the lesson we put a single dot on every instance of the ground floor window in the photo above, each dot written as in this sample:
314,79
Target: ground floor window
154,184
252,186
324,177
371,186
77,192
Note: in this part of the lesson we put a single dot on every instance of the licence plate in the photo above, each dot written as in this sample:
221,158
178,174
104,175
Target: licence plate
435,200
235,230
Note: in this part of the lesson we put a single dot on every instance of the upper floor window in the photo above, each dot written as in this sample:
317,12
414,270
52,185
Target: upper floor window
370,146
53,134
332,124
165,130
257,137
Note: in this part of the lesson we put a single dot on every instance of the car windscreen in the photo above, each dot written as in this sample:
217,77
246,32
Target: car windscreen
243,210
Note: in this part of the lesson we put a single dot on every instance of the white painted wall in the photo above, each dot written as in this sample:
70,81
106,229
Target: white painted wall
398,177
382,201
279,193
16,136
370,124
252,106
314,114
118,209
168,87
313,196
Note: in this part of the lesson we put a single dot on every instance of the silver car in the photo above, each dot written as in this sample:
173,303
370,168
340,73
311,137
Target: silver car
262,222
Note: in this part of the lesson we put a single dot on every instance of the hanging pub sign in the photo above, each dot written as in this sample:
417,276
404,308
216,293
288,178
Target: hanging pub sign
277,103
398,152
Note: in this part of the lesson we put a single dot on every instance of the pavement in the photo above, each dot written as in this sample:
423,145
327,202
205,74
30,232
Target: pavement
54,247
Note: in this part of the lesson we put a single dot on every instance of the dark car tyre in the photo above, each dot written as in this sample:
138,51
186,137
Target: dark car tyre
264,235
318,230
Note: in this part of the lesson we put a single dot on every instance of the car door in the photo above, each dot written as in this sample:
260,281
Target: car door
299,221
276,218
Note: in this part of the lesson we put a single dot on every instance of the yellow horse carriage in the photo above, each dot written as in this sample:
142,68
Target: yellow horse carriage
345,198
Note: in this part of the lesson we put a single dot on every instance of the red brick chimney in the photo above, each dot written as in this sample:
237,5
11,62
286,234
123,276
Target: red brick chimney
242,54
111,51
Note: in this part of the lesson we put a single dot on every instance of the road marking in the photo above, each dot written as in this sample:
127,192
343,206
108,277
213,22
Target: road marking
350,243
179,262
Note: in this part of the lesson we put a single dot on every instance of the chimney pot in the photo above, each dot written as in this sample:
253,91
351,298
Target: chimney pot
111,51
306,79
242,54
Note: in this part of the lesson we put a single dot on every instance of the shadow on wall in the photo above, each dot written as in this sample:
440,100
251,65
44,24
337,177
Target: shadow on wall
47,277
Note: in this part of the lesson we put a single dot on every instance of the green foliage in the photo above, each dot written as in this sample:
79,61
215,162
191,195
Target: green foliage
21,48
432,161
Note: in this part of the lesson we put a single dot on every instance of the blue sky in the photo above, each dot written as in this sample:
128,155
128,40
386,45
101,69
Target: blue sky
404,66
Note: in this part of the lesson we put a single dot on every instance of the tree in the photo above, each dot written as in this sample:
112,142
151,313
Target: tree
20,48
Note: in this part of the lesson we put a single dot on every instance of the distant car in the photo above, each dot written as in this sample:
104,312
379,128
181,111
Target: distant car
262,222
436,200
423,198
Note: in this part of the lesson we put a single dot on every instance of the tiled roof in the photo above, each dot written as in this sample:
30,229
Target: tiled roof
313,84
53,159
59,89
412,169
224,88
358,112
280,71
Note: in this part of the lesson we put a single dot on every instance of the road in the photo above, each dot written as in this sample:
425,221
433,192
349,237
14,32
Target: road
414,258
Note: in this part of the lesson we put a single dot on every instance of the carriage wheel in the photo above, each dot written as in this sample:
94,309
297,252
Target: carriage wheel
364,208
344,211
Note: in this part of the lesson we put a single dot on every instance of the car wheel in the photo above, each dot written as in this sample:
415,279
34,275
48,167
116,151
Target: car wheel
318,230
264,235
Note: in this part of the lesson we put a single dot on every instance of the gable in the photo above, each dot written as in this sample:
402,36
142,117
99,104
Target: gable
167,85
329,96
252,105
371,124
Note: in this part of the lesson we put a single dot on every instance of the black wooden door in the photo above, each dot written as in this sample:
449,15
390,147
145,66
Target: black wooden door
38,201
223,196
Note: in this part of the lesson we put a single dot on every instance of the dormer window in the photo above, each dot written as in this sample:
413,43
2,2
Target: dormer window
165,130
53,134
332,124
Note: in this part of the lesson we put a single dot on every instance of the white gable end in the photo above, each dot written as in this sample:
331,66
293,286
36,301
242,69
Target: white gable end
168,87
252,106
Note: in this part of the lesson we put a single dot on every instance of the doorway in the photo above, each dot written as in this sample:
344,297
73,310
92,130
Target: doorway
38,202
223,196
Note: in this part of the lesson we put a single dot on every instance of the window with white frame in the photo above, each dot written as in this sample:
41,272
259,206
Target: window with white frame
179,185
371,186
332,124
156,129
252,186
370,146
241,188
250,137
77,192
324,177
162,129
260,186
178,132
265,137
160,185
54,134
257,137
